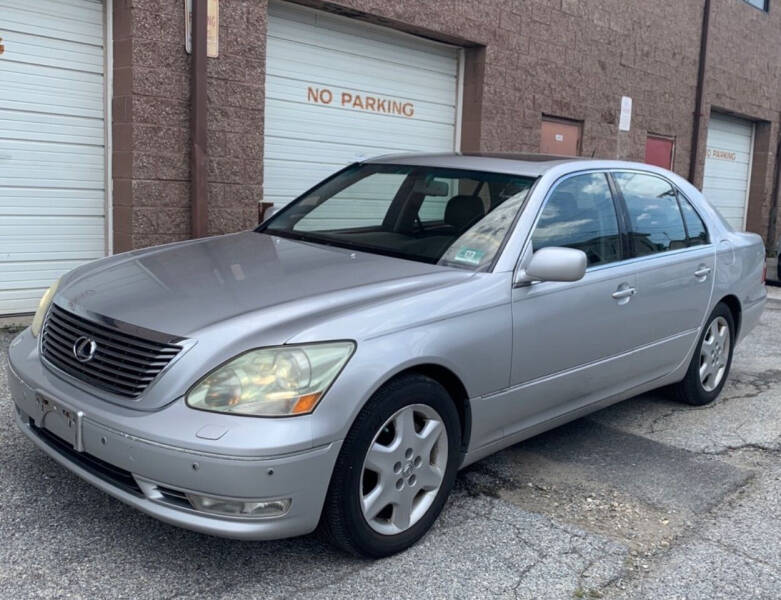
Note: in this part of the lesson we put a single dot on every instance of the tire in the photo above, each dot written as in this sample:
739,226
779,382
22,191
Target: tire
383,483
712,352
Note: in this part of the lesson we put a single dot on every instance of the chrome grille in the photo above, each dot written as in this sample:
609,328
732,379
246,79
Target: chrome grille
122,364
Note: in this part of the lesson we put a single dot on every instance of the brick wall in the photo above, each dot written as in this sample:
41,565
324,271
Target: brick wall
151,121
525,59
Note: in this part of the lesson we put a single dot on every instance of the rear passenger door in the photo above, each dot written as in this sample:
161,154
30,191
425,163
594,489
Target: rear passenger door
673,260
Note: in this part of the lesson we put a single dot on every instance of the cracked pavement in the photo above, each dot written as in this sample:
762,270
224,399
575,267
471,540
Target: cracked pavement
645,499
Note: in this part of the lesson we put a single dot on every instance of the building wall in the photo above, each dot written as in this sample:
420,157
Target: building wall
744,78
151,121
525,59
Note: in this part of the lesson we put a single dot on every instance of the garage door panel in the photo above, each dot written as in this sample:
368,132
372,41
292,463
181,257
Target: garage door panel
727,171
20,301
289,149
308,138
726,196
30,92
322,30
79,21
54,201
727,166
31,77
42,127
286,181
52,246
726,140
730,126
52,144
48,52
353,127
333,70
32,274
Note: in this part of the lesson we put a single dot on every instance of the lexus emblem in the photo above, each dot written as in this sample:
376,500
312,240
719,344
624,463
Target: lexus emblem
84,348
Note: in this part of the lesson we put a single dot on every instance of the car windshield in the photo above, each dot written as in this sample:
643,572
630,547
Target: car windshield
447,216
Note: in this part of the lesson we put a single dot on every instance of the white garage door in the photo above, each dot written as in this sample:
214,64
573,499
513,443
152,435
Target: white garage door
728,166
338,90
52,184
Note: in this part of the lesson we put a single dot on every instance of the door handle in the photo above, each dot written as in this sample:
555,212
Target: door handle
624,293
702,272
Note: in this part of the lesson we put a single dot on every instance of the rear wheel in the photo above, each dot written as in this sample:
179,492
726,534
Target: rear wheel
395,470
711,362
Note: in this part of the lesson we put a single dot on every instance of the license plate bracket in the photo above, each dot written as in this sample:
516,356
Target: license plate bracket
60,420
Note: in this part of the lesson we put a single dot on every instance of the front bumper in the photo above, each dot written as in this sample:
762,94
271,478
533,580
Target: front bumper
154,475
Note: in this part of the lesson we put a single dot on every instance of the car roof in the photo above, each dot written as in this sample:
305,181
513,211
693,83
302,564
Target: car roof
533,165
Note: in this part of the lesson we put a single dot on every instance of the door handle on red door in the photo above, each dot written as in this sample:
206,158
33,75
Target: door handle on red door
702,272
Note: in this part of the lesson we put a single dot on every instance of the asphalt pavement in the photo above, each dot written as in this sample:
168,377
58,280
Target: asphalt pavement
646,499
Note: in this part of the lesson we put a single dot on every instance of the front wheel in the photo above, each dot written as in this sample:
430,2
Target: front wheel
711,362
395,470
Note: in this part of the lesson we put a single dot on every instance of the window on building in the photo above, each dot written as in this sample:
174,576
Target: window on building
560,136
655,219
760,4
580,214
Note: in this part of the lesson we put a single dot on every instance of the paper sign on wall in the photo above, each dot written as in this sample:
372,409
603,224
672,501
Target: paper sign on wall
625,120
212,27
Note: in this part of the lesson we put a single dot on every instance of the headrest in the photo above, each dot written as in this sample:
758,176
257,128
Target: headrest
462,212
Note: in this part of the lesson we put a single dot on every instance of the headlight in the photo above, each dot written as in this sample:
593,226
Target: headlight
272,382
43,306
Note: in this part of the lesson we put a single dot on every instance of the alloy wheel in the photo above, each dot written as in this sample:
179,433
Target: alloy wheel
403,469
714,354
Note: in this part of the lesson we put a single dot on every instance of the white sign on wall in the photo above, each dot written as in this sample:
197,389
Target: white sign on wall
212,27
625,120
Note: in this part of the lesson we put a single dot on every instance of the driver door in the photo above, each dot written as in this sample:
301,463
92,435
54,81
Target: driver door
574,342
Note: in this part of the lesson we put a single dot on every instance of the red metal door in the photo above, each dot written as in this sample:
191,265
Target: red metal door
659,151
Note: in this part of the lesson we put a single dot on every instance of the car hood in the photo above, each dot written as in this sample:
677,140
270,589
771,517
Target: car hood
184,288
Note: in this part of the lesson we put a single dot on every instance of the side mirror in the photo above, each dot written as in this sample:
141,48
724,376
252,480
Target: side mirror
554,264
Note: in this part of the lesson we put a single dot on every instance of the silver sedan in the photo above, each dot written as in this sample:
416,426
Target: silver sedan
402,319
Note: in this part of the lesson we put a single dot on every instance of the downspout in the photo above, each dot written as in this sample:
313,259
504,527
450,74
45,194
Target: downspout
199,191
771,226
695,145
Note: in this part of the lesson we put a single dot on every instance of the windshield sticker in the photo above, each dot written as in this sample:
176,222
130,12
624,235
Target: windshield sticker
469,256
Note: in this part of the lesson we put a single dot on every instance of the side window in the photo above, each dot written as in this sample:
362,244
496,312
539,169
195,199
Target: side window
654,217
696,232
580,214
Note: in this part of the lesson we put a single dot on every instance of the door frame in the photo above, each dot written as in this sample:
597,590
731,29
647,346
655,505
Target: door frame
749,173
108,94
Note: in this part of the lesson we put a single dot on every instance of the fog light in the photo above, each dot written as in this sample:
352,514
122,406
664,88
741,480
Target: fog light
240,508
